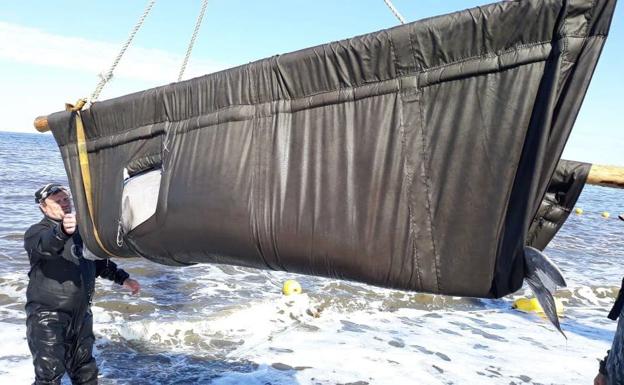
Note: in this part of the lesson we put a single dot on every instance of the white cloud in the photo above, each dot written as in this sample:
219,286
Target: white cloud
34,46
41,71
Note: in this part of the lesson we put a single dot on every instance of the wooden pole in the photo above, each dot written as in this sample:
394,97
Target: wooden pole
41,124
607,176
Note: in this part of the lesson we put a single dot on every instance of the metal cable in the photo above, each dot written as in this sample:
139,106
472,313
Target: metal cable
394,11
108,75
200,17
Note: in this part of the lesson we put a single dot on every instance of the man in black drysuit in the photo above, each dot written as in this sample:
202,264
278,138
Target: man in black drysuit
59,321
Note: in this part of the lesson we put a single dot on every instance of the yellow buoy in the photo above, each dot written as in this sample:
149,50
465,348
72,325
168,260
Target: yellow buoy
605,214
291,287
578,210
532,305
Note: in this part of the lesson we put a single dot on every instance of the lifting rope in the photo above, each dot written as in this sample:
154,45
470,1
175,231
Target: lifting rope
200,17
108,75
394,11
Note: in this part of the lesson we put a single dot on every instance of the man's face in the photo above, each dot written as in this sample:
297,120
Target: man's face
57,205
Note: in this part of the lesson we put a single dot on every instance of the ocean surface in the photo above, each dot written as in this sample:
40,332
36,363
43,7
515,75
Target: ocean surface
209,324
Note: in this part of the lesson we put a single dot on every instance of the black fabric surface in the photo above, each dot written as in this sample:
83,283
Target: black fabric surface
563,191
414,157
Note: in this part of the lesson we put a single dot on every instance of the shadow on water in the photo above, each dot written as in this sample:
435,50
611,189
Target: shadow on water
573,326
122,362
165,290
171,292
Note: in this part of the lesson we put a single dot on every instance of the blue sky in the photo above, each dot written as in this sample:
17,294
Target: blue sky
52,51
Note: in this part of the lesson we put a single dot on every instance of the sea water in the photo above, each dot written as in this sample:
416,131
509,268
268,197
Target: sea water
211,324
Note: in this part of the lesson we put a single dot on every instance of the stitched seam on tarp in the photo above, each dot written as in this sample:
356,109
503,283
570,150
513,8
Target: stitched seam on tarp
589,18
413,49
393,52
487,55
257,225
409,175
425,159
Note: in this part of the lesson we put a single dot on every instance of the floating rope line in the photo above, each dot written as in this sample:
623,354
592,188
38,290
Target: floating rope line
200,17
394,11
108,75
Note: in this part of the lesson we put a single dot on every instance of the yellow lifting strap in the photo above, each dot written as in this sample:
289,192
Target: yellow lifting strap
85,171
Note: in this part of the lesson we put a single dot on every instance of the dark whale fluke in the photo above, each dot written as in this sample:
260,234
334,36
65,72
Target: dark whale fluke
543,278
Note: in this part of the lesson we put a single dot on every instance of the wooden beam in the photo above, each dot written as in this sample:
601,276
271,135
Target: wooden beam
41,124
607,176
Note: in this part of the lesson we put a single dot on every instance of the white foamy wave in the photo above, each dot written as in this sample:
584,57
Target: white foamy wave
440,347
15,360
246,324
